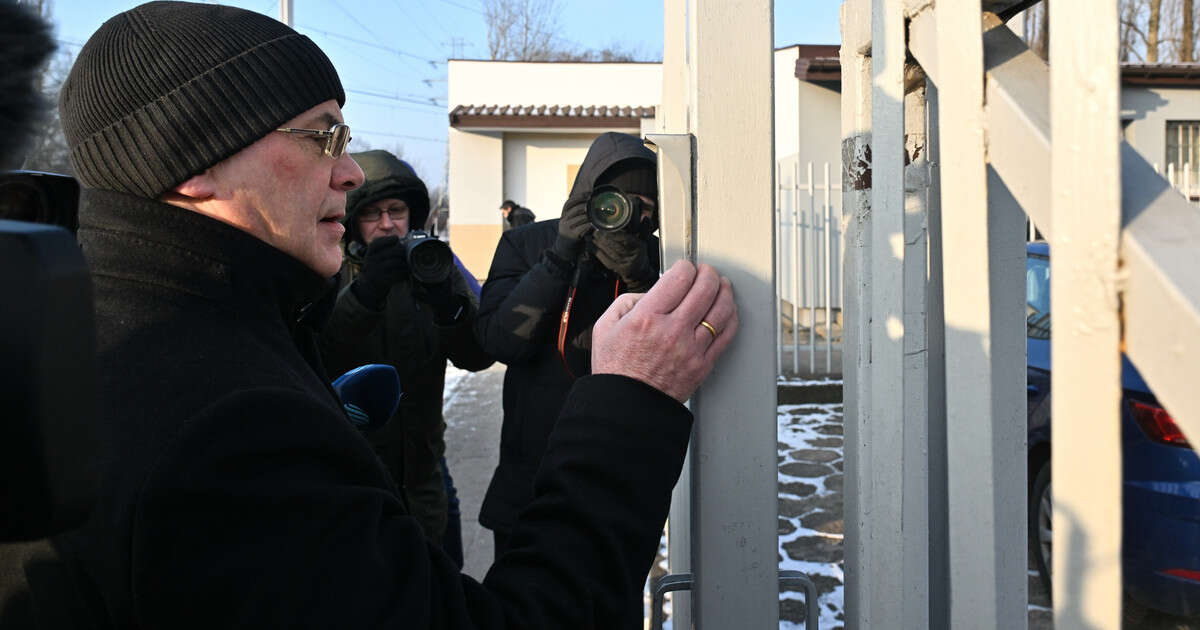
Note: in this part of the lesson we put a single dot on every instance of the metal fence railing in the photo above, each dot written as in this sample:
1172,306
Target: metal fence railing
935,432
808,275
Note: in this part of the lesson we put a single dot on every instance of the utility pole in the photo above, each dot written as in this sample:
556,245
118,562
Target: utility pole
456,45
286,15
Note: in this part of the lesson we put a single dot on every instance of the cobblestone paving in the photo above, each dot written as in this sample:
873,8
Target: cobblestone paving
810,508
811,527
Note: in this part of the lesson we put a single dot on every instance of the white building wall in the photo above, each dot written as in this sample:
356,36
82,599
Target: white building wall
1149,109
537,167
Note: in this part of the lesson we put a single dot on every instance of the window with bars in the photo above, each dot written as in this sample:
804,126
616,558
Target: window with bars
1183,152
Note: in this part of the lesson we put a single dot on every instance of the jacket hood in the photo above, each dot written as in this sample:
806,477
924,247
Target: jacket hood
387,177
607,150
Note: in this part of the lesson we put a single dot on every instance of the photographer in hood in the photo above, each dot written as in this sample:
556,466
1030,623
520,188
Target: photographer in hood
548,284
405,304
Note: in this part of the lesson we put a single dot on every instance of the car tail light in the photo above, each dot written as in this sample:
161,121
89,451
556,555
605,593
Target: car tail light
1157,424
1187,574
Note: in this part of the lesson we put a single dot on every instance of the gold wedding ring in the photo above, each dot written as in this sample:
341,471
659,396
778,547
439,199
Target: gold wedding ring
709,327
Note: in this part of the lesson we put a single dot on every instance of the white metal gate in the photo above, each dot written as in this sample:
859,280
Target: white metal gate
947,120
808,257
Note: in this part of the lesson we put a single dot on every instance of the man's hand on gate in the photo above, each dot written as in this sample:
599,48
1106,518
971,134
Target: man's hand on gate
670,337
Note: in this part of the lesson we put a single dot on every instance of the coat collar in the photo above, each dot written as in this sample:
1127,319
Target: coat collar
148,241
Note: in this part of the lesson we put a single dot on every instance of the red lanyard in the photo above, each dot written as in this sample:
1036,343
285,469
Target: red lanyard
566,318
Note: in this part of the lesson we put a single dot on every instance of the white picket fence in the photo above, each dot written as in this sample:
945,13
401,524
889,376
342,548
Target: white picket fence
808,210
1182,181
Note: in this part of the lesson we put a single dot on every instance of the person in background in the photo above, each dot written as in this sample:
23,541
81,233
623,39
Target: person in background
548,284
384,315
515,214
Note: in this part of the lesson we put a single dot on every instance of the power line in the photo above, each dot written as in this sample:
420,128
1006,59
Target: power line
410,19
438,112
463,7
395,51
400,135
425,7
413,99
360,24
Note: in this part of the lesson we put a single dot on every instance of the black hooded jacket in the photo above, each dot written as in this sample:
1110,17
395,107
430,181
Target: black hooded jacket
519,319
240,496
406,335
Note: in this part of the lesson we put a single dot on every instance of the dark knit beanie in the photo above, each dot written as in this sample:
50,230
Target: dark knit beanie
165,90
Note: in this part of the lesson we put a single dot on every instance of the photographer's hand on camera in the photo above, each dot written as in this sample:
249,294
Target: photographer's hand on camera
448,307
573,225
671,337
625,254
384,264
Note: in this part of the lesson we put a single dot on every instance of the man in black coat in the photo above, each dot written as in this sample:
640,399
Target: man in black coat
536,272
239,494
515,214
384,315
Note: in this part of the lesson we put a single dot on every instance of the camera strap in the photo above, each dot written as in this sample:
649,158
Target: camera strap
566,319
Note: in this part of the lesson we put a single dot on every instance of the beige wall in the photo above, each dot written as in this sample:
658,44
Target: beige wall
475,245
476,189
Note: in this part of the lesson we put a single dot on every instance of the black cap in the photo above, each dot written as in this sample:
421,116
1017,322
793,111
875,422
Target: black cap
165,90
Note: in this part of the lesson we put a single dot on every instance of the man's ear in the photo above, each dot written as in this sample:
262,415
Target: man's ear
198,187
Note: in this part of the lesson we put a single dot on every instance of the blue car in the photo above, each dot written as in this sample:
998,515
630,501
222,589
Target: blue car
1161,472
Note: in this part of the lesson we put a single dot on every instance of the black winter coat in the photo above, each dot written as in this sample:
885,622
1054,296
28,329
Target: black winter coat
405,335
241,496
520,313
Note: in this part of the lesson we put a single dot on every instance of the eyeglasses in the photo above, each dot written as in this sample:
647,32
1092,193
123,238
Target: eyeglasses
336,138
371,215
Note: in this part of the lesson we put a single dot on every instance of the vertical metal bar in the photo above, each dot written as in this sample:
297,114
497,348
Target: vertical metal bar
778,270
939,511
875,535
675,116
988,581
735,508
855,55
811,263
286,14
1085,345
828,275
794,270
915,365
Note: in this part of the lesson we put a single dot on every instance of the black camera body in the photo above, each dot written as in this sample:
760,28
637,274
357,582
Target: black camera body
429,259
610,210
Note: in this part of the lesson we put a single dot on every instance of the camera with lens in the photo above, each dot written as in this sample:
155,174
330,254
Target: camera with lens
429,259
39,197
610,210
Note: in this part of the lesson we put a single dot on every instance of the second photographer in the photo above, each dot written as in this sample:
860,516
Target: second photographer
548,284
404,303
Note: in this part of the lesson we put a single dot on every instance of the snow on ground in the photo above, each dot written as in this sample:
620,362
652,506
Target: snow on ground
810,511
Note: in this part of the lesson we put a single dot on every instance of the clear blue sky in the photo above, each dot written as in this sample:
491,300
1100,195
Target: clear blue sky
391,53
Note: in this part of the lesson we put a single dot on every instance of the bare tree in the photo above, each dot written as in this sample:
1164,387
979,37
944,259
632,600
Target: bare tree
1037,28
1152,31
528,30
1188,34
47,149
1132,35
522,30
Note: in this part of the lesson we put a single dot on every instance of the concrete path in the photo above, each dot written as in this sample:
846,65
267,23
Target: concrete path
472,408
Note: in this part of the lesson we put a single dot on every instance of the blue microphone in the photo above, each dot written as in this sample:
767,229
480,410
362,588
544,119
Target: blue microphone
369,394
